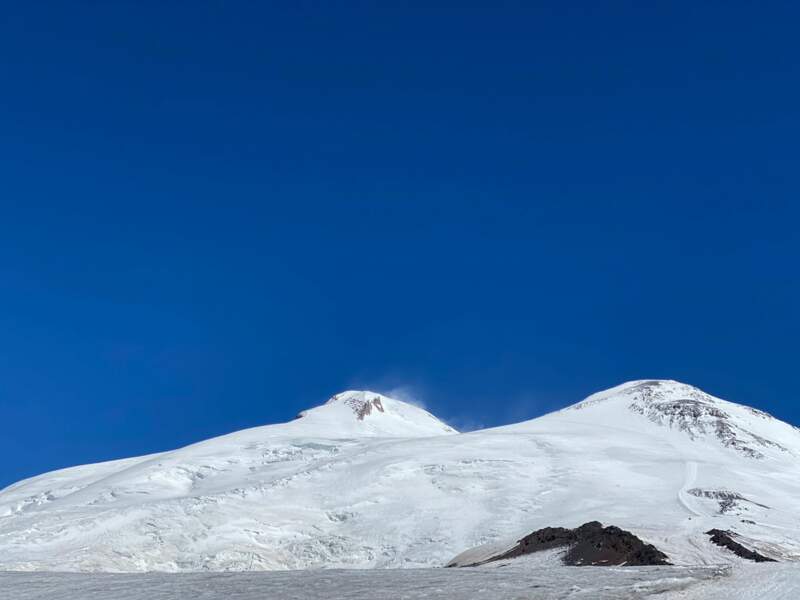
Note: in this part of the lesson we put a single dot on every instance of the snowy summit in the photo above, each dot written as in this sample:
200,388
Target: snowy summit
365,480
370,413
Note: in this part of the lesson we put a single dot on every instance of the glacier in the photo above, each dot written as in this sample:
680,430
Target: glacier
366,481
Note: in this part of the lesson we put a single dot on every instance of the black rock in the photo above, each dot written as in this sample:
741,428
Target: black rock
725,539
589,544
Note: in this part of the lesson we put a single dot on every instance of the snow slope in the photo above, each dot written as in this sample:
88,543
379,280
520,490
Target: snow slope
368,481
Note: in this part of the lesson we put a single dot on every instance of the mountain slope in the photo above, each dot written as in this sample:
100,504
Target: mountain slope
365,480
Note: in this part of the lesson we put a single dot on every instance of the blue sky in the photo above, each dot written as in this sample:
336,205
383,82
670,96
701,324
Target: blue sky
214,215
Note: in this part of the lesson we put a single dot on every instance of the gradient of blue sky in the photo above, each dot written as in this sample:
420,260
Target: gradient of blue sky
214,215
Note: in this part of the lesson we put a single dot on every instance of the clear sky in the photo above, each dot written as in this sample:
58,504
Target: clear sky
216,214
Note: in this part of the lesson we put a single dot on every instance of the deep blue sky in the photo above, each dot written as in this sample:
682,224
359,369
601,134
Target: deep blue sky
216,214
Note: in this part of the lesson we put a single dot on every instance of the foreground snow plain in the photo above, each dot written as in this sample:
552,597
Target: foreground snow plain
771,581
365,481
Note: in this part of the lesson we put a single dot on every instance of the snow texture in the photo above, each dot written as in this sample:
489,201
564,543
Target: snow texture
519,581
365,481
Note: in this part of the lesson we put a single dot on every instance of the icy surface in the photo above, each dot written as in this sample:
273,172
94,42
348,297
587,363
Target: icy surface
776,582
360,483
464,584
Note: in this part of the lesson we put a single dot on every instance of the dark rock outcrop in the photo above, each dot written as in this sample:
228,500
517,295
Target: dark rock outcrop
725,539
589,544
728,501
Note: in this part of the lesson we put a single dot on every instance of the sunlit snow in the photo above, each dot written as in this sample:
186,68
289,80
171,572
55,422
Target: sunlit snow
341,487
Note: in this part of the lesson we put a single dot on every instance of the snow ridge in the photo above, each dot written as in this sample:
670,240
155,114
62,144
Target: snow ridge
365,480
697,414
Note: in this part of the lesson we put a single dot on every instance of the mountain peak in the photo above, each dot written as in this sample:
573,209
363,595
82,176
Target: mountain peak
371,413
366,480
664,389
688,409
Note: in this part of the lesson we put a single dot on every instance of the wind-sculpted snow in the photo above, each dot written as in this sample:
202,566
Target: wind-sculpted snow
343,486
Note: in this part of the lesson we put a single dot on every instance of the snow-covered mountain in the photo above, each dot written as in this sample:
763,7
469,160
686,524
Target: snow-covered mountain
368,481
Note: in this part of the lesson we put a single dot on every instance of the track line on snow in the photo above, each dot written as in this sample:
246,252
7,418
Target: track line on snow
688,482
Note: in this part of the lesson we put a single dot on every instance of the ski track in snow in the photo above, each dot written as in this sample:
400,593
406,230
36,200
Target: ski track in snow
691,477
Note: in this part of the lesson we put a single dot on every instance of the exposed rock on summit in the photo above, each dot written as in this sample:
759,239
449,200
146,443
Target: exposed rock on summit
362,405
690,410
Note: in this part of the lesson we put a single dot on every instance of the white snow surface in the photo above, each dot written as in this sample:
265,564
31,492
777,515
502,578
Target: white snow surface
513,582
367,481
